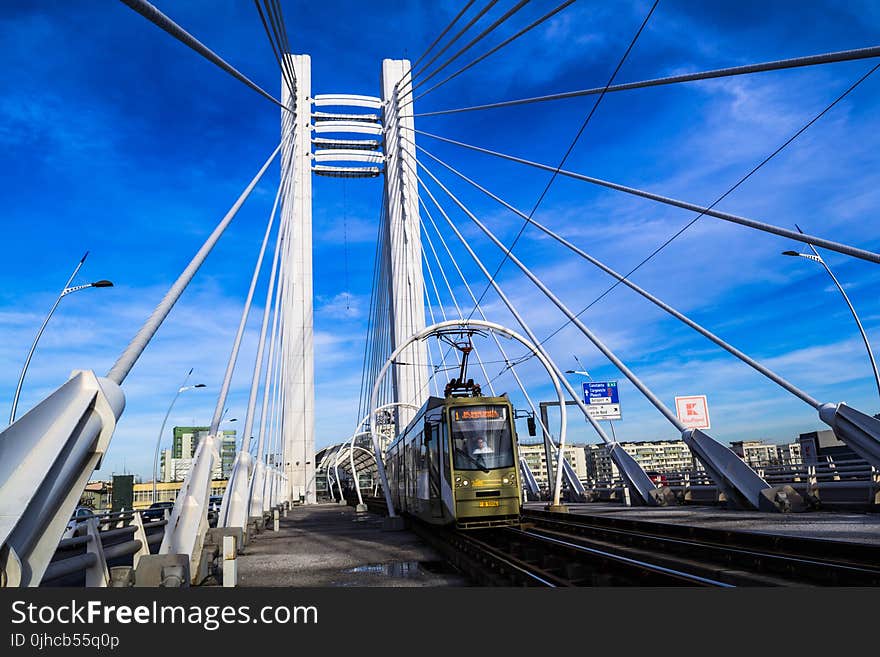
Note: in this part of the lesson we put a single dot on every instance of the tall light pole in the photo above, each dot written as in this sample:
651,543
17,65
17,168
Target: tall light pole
815,257
64,292
181,389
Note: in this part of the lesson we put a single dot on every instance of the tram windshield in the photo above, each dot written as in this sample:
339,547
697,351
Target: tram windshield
481,438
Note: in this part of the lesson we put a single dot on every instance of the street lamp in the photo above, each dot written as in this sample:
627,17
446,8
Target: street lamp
181,389
64,292
815,257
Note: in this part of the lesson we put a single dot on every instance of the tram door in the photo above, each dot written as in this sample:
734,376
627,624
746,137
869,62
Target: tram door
432,439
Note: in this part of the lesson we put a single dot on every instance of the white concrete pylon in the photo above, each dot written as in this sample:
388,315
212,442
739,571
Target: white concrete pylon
298,316
185,531
404,237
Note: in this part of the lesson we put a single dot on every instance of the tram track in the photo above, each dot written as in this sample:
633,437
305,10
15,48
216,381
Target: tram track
565,550
734,557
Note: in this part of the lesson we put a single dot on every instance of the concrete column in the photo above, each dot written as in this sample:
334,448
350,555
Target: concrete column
299,402
404,237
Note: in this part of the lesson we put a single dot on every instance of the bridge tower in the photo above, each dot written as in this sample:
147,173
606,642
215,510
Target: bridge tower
404,237
298,394
361,144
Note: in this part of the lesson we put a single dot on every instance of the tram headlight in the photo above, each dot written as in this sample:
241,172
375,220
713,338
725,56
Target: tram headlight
465,483
505,481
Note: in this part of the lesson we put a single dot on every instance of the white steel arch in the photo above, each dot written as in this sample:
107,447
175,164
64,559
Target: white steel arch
464,324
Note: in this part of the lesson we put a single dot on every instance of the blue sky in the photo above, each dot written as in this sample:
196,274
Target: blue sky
119,140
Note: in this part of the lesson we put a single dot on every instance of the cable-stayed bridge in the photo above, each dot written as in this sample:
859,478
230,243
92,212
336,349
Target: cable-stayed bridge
442,317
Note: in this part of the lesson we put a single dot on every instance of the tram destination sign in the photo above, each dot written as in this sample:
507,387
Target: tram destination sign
602,400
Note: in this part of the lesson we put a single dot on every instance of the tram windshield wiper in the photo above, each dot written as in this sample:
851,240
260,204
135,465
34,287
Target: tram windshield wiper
472,460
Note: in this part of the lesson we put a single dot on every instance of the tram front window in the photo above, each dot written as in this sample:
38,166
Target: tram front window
481,438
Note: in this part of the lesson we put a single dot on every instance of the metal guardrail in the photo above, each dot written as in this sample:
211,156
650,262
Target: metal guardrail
94,544
850,484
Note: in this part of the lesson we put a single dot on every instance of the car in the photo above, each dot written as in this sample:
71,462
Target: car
658,478
157,510
80,514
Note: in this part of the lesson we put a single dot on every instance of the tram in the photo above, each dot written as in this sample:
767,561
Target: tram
457,463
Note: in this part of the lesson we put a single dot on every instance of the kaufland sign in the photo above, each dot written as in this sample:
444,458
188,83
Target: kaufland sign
693,411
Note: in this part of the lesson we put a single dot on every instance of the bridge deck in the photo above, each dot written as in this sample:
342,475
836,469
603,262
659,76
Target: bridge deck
330,545
833,526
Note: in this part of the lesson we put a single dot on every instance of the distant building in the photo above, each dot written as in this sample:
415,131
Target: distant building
756,453
186,439
167,491
791,454
819,446
184,447
177,469
652,456
97,495
536,459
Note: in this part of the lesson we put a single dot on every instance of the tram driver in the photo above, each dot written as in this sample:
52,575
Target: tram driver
482,447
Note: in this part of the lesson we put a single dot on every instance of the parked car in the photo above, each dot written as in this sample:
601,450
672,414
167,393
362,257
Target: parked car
157,510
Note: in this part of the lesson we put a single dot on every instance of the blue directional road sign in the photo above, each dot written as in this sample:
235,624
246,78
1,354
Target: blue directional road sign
602,400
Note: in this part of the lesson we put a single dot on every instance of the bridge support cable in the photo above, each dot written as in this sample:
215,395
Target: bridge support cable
632,472
264,473
732,218
575,485
445,317
186,528
273,9
790,387
795,62
431,365
160,20
740,482
381,317
864,440
277,50
442,363
235,508
574,141
452,296
443,33
245,314
440,305
256,484
48,455
420,71
372,322
371,314
470,44
492,51
509,365
729,191
128,358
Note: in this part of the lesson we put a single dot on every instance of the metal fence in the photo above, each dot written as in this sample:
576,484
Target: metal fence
848,484
93,545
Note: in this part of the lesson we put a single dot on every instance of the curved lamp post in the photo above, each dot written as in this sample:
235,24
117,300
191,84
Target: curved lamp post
181,389
815,257
64,292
